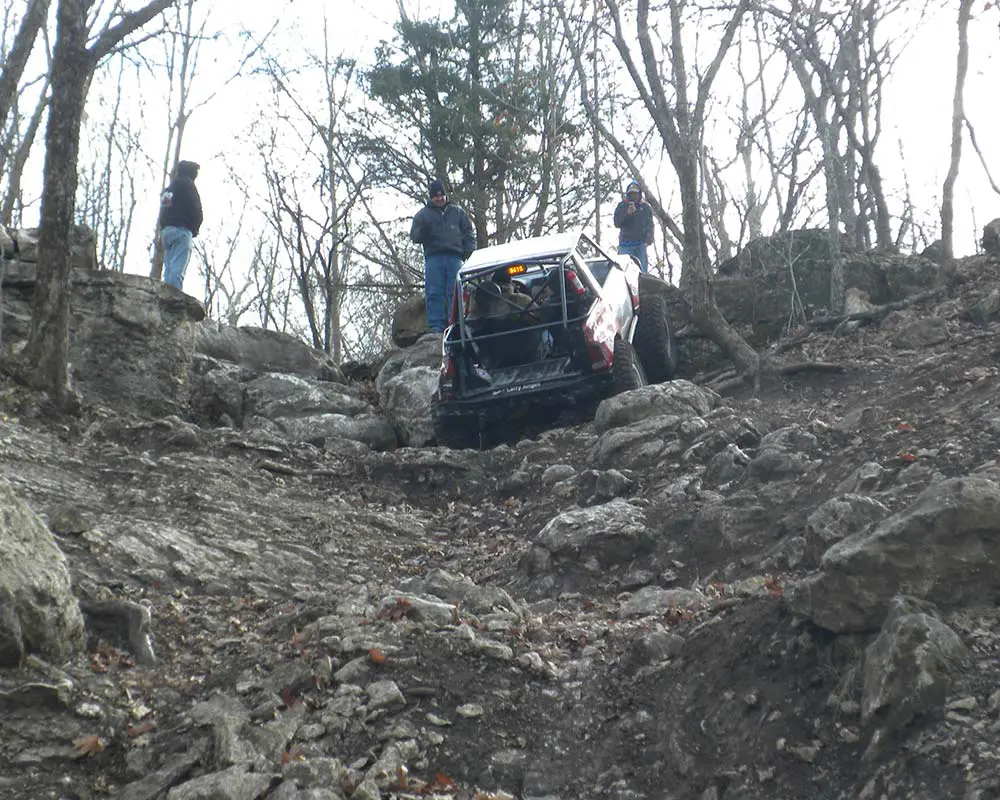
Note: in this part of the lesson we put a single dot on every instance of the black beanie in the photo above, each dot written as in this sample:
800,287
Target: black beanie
436,187
187,169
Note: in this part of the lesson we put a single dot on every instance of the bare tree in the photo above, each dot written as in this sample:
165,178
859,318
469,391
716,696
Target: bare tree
313,223
227,289
664,89
44,361
182,49
772,143
20,142
957,118
16,59
108,194
842,65
23,102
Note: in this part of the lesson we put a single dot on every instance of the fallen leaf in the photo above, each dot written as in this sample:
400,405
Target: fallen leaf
288,698
442,782
141,728
87,746
400,611
294,753
402,780
347,784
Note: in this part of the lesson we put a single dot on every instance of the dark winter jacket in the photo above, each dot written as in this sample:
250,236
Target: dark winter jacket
443,230
180,205
637,227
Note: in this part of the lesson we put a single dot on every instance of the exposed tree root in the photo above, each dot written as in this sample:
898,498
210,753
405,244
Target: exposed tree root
878,312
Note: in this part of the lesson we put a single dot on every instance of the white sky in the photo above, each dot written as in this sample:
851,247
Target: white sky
917,112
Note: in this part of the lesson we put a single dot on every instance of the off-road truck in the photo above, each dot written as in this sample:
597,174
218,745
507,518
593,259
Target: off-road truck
545,323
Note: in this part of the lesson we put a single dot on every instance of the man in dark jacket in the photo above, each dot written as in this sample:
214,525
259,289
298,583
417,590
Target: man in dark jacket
180,220
634,219
447,237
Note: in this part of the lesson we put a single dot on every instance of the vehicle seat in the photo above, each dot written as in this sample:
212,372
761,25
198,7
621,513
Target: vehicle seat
497,328
486,301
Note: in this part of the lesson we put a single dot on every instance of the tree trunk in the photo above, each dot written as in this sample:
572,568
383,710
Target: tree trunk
44,362
47,351
696,281
957,116
838,289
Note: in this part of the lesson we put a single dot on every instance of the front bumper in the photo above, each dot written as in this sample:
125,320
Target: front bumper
514,398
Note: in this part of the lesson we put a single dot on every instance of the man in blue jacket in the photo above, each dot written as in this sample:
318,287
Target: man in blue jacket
447,237
634,219
180,220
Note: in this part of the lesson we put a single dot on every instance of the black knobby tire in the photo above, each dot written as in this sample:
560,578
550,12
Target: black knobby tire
626,372
654,341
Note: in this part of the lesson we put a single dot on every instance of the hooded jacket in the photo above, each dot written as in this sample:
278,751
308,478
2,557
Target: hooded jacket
443,230
180,204
637,227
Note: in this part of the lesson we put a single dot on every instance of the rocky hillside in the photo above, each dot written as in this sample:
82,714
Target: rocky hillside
698,594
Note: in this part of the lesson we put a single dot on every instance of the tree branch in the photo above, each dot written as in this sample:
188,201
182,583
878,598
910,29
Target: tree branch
110,37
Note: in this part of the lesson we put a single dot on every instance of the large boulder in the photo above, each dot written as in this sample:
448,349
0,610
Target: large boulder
82,244
944,548
991,238
276,394
908,669
407,400
265,351
426,352
303,410
838,518
285,406
677,398
329,430
640,428
587,543
409,322
36,595
755,288
131,338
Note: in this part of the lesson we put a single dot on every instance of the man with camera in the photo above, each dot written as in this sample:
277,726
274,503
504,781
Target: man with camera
634,220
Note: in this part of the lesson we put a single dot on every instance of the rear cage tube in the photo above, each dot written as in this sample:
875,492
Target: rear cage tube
464,334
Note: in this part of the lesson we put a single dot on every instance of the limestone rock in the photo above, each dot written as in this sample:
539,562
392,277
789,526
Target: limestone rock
838,518
589,540
424,353
677,398
409,322
406,400
991,238
942,548
908,668
34,575
131,339
264,350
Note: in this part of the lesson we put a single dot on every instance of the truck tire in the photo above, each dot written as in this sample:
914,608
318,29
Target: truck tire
654,341
626,371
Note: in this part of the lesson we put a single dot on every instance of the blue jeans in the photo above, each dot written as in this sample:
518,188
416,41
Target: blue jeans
176,254
636,249
440,273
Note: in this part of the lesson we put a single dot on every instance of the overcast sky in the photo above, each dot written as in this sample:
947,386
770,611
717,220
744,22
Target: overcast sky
917,113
